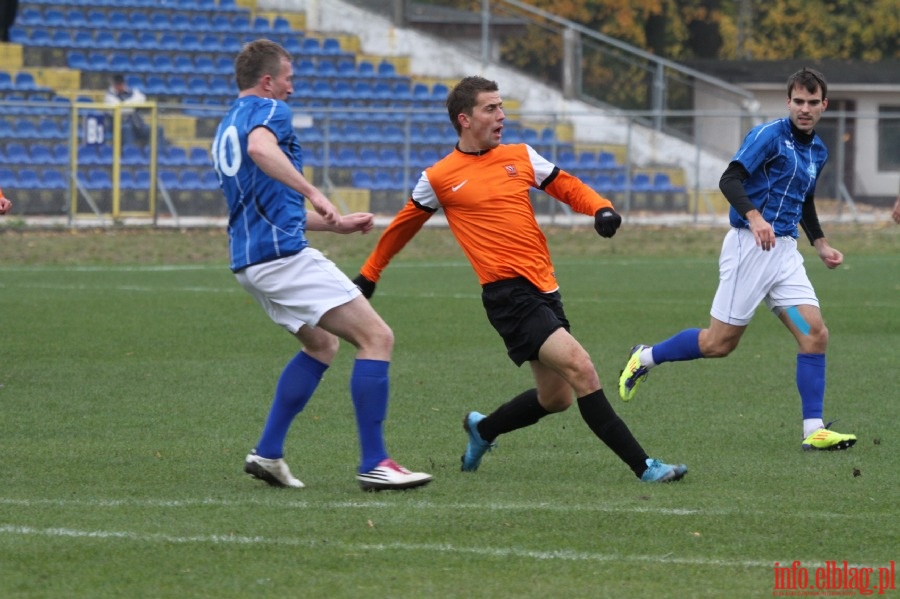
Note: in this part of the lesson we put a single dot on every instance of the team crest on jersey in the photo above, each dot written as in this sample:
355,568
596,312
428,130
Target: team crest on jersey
788,144
511,170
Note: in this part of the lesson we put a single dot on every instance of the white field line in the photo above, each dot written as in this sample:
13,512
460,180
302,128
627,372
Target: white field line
530,507
447,548
8,529
501,552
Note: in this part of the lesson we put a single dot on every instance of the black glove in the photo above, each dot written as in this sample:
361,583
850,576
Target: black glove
606,221
365,285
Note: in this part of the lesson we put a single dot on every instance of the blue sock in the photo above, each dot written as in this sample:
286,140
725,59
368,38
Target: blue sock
296,385
678,348
369,390
811,384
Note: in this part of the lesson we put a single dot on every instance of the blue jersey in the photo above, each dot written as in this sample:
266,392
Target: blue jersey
783,173
266,219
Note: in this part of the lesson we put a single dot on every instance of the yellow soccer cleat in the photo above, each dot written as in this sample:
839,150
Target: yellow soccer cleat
824,439
633,374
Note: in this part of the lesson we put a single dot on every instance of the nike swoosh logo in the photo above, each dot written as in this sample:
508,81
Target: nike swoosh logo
456,187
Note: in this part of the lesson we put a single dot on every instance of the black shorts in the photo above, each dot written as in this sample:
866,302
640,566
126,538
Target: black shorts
523,315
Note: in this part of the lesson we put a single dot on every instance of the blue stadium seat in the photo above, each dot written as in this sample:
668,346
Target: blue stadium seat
26,129
607,160
76,19
105,39
53,178
173,156
62,38
61,153
127,40
134,156
199,156
361,179
82,38
17,153
168,178
29,179
119,62
30,17
640,182
54,17
97,61
24,81
9,178
98,179
331,46
147,40
281,25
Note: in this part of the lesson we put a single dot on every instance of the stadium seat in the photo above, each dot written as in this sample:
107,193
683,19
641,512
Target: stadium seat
640,182
361,179
62,38
106,40
54,17
98,179
28,179
61,153
24,81
26,129
81,38
173,156
53,178
199,156
17,153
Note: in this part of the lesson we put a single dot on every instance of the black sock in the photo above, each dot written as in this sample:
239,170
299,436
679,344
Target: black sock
612,430
519,412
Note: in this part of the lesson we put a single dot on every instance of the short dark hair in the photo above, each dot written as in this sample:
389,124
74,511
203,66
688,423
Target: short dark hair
809,79
118,79
464,95
256,59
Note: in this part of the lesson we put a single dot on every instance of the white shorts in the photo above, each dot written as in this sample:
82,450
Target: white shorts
297,290
748,275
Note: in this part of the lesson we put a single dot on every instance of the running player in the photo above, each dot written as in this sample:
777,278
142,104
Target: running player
770,184
483,187
258,159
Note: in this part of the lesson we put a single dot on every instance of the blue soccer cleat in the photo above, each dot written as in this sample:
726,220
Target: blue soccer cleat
657,472
477,446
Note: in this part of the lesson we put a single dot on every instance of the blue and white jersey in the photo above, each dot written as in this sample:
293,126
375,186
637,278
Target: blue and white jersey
266,219
783,172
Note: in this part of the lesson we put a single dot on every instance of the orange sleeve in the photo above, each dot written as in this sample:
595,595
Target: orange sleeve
577,194
403,227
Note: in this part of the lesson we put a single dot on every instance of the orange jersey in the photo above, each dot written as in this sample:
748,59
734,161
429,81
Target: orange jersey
485,197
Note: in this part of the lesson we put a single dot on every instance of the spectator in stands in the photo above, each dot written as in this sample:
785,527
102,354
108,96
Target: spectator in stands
8,12
5,204
134,129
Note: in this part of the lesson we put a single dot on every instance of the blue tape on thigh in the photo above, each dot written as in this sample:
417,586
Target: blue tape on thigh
794,314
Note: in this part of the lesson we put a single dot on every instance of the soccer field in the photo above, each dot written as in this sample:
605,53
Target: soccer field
135,374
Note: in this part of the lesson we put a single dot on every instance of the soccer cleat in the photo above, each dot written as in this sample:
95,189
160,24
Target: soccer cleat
391,475
634,373
657,472
477,446
824,439
274,472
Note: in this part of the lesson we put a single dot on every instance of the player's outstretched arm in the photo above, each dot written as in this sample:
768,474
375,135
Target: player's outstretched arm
356,222
402,228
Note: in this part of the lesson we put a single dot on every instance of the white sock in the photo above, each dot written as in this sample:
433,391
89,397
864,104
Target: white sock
647,357
811,425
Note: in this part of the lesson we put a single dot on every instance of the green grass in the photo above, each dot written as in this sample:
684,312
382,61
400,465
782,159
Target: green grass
135,374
